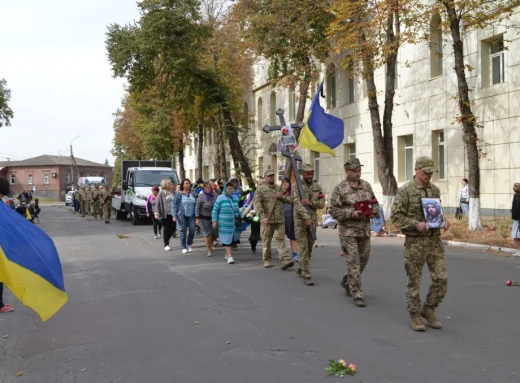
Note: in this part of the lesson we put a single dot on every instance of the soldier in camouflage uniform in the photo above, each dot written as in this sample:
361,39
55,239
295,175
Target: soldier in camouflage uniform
106,203
303,221
268,202
354,228
422,245
88,200
82,200
96,203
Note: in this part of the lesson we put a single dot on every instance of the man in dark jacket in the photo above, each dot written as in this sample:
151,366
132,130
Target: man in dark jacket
515,212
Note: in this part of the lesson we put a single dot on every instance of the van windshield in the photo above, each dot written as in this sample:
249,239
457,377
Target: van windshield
154,177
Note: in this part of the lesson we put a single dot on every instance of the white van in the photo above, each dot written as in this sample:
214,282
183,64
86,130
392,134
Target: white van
85,181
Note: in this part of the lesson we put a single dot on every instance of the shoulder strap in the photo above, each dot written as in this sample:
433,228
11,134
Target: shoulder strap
229,200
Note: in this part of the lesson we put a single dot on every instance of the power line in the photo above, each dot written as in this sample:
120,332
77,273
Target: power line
11,155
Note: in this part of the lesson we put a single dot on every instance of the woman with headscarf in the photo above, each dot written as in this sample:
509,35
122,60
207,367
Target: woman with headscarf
224,215
183,212
203,209
237,189
288,212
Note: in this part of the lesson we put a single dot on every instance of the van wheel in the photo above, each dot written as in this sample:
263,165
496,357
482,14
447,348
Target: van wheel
133,217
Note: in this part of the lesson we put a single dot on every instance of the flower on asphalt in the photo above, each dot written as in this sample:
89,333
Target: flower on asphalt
352,367
343,362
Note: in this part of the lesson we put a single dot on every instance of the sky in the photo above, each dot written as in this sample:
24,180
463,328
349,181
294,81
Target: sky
53,57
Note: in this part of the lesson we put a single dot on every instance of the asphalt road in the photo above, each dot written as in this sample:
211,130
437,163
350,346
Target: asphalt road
133,308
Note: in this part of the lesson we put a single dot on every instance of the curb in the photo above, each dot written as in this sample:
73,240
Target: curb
482,247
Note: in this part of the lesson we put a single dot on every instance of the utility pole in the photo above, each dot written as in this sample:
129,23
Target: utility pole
72,164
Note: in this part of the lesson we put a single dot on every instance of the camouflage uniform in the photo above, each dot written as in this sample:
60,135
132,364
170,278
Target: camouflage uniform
420,247
82,200
302,232
263,202
106,202
88,201
96,205
354,233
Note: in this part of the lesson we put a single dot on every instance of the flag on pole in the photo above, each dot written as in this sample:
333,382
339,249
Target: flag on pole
322,132
30,265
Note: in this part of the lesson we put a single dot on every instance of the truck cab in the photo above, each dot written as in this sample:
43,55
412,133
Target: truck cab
137,187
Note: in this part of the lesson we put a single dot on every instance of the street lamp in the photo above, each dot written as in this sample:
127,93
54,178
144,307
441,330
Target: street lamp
72,163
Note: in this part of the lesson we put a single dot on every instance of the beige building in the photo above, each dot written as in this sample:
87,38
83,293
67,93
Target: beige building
423,121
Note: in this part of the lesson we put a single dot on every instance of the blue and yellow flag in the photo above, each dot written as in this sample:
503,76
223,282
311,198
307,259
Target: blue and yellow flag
322,132
30,265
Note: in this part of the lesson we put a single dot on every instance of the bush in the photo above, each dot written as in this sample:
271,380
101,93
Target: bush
504,227
457,232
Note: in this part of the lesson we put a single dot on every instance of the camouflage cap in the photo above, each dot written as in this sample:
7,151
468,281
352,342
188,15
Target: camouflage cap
307,168
426,164
268,173
352,164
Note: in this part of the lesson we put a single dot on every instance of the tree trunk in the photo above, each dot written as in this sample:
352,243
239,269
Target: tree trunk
182,171
221,153
240,161
199,152
383,144
300,114
467,119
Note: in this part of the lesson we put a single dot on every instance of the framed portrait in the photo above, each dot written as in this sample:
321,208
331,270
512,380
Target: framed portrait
432,210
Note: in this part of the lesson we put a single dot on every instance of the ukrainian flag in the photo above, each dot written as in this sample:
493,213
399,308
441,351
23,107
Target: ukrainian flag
30,265
322,132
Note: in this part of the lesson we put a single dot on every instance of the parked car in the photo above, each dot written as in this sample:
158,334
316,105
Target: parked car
68,198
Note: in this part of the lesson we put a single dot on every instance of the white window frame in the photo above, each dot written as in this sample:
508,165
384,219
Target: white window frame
12,179
501,65
29,179
46,179
316,156
408,151
442,158
68,178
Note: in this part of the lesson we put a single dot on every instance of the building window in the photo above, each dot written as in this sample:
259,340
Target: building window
317,166
349,152
68,178
497,61
29,179
260,114
272,109
45,178
12,179
436,46
292,103
439,154
331,87
260,167
351,82
405,158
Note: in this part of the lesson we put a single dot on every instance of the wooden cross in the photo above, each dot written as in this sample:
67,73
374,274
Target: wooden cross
288,153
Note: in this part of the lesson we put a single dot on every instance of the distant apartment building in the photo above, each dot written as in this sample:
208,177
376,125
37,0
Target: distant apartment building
423,122
49,175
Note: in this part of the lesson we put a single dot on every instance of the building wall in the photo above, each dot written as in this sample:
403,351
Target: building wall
425,111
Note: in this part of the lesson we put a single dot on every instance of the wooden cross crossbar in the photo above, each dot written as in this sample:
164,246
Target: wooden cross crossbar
294,159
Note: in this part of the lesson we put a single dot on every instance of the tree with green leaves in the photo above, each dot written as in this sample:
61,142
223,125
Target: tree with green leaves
6,113
369,34
460,18
165,50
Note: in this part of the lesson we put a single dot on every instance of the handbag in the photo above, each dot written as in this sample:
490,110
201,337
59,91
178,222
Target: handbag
238,219
458,213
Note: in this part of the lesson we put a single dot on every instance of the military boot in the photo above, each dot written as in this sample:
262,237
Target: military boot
417,324
344,284
359,302
287,264
428,313
308,281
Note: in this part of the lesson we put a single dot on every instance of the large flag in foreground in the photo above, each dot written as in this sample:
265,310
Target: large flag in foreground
322,132
30,265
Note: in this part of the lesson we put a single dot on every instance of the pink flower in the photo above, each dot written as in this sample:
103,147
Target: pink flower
343,362
352,367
